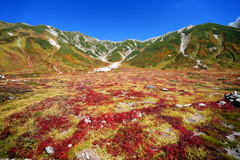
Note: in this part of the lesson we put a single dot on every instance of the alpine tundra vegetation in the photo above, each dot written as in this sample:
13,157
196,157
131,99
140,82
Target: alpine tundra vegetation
66,95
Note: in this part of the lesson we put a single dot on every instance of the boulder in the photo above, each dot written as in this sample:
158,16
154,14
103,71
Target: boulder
11,97
150,87
222,103
49,150
233,98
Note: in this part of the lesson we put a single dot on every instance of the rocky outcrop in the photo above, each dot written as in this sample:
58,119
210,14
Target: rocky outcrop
233,98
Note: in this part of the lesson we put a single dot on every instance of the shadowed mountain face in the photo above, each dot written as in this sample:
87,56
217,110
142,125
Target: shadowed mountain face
25,48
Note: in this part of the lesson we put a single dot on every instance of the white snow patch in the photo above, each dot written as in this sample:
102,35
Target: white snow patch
18,42
27,24
188,27
109,68
53,43
185,39
10,34
131,57
216,36
235,23
135,43
52,31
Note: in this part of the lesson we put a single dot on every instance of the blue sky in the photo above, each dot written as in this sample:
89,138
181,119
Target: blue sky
118,20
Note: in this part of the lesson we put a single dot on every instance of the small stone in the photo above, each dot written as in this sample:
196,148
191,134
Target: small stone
87,120
49,150
150,87
70,146
187,105
164,89
179,105
139,114
222,103
202,104
11,97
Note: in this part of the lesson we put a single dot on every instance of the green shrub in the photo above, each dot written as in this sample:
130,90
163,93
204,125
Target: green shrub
43,43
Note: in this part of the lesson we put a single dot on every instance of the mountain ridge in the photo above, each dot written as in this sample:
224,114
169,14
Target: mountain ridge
65,50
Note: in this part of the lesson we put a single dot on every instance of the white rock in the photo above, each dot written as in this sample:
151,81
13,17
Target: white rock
187,105
164,89
139,114
87,120
70,146
49,150
201,104
179,105
222,103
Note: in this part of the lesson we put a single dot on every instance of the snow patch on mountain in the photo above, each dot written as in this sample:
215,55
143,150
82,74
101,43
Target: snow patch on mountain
216,36
52,31
235,24
19,42
10,34
27,24
106,69
188,27
185,39
54,43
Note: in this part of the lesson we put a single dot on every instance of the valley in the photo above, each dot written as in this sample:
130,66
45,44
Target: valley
66,95
125,113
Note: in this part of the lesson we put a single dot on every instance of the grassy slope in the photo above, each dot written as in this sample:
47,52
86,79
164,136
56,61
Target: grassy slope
37,54
226,53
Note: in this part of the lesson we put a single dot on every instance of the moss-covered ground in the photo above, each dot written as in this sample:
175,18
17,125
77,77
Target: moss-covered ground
112,115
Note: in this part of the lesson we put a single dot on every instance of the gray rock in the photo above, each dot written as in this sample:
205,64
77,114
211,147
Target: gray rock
150,87
222,103
11,97
49,150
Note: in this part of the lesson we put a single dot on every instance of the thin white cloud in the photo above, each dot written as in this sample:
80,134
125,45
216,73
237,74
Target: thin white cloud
234,21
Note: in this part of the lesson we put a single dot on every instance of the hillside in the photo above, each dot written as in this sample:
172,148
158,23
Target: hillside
44,49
